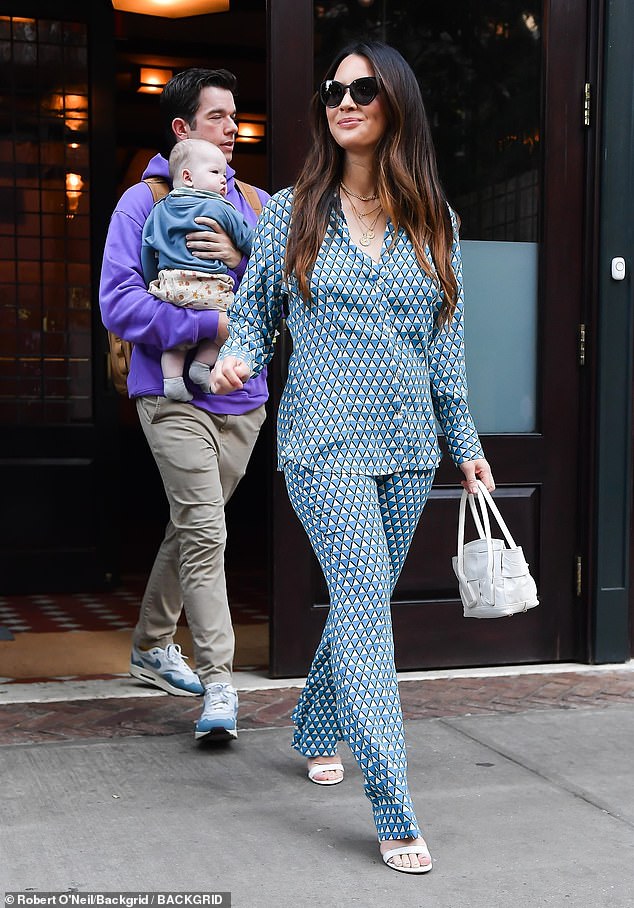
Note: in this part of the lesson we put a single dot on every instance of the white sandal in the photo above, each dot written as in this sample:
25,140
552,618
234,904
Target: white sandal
325,767
408,849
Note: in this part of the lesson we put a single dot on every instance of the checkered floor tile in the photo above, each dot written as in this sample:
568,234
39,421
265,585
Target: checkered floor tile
69,612
114,610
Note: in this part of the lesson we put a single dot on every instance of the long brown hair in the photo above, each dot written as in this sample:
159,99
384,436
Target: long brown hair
406,174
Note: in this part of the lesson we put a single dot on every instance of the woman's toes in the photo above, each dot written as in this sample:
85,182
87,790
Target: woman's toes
332,775
410,861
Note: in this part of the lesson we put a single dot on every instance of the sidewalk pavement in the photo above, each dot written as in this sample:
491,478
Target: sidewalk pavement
523,784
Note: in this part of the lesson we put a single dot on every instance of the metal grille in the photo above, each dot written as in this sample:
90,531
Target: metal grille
507,210
45,276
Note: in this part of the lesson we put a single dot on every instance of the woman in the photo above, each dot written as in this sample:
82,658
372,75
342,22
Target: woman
364,255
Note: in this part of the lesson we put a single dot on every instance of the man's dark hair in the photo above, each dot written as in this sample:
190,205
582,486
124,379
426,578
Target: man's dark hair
181,96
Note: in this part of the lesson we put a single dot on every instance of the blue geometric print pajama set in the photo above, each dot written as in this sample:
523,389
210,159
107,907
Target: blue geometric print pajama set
360,528
369,376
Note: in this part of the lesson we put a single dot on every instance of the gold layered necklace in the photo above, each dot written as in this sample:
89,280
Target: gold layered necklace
361,198
368,233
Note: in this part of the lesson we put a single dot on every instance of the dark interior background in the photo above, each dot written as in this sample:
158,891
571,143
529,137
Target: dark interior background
236,41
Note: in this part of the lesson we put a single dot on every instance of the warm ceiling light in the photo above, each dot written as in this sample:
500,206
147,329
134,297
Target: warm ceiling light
152,80
172,9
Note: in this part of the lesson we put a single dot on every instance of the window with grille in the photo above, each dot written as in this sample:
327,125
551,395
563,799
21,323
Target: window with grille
45,278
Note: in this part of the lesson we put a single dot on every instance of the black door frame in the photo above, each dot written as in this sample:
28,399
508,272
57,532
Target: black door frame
612,617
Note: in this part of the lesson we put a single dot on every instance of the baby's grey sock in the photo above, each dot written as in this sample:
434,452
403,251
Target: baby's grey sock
199,373
175,389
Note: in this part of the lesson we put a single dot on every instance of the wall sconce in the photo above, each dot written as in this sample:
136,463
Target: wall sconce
171,9
152,80
251,128
74,186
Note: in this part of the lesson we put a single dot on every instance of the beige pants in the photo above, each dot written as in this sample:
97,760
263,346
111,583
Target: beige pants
202,458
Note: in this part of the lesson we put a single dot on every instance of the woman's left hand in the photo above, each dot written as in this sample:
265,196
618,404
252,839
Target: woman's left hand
476,469
214,243
229,374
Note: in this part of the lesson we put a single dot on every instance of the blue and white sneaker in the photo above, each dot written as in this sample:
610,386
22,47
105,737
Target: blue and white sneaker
219,719
167,669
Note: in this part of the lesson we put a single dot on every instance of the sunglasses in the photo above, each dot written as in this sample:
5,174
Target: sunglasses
362,91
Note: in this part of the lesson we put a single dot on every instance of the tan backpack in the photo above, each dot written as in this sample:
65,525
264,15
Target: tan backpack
120,349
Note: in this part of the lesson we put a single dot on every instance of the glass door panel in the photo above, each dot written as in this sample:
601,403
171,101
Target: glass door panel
500,282
56,465
478,66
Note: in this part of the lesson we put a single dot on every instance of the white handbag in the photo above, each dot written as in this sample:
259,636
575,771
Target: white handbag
493,578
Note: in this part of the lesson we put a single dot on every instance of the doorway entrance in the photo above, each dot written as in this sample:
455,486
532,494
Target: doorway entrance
84,507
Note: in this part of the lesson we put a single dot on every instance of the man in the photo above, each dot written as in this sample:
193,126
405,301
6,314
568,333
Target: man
201,447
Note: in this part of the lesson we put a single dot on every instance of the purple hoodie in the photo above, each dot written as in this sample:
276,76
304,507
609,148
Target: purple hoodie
131,312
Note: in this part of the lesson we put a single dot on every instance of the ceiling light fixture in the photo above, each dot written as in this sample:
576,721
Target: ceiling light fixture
171,9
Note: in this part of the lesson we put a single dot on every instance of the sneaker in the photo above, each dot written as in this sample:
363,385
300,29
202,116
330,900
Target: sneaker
167,669
219,719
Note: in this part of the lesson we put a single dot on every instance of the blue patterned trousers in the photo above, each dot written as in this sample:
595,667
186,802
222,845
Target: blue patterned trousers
360,528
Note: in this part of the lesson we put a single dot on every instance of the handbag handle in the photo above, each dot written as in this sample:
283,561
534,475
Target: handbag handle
476,518
494,510
484,530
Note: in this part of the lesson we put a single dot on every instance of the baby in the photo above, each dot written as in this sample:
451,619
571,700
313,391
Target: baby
198,172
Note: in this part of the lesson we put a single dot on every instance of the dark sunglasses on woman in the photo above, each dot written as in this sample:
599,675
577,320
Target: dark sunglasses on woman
362,91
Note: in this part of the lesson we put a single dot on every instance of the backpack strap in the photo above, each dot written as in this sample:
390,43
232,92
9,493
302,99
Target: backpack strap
121,350
159,187
249,194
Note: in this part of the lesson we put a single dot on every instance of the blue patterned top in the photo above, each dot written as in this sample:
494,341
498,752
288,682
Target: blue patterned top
370,371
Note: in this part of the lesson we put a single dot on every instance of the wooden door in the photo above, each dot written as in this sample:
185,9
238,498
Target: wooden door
503,88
